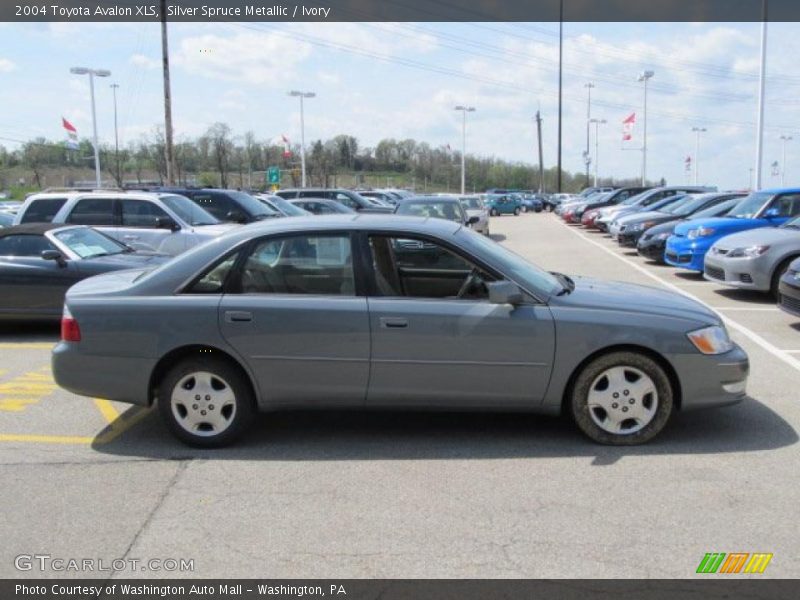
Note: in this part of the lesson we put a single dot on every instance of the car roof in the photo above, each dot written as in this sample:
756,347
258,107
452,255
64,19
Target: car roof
791,190
32,229
423,199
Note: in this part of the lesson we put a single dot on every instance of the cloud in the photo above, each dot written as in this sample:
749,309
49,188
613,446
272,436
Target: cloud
140,60
6,65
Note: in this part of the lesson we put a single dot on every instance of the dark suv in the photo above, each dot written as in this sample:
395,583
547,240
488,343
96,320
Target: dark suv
226,205
348,198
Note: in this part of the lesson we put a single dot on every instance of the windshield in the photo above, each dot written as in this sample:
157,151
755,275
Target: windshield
250,205
632,199
668,205
187,210
472,202
287,207
88,243
717,210
793,224
688,206
748,207
431,208
528,274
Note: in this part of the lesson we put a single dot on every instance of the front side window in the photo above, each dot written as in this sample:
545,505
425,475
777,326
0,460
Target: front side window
347,201
419,268
788,205
300,264
93,211
141,213
24,245
42,210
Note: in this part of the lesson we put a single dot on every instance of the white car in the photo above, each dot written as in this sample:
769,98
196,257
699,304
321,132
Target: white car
156,222
474,207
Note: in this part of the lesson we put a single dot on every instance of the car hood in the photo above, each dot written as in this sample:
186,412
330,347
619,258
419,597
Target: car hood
761,236
721,225
596,294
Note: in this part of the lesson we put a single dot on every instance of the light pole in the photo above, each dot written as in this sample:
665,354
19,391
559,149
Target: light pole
784,139
697,132
761,88
92,73
464,110
587,159
597,123
302,96
645,77
114,87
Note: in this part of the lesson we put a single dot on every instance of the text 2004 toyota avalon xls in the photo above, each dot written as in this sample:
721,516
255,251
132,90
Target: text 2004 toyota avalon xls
372,312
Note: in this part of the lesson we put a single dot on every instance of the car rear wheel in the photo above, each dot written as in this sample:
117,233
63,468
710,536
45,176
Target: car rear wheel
621,399
494,212
525,209
516,212
205,402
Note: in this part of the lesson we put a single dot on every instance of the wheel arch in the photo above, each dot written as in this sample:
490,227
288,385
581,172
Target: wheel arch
672,375
175,355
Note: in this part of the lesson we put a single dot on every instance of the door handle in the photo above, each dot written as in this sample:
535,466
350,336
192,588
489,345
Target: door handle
394,322
238,316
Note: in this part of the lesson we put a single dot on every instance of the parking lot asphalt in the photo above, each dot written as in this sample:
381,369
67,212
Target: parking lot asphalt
349,494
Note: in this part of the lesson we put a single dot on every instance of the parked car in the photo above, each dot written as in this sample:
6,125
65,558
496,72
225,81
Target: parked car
227,206
615,226
40,261
754,259
6,219
350,199
386,198
653,243
555,200
436,207
474,207
502,204
322,206
154,222
687,247
581,212
644,200
586,192
789,290
284,207
530,203
633,226
343,312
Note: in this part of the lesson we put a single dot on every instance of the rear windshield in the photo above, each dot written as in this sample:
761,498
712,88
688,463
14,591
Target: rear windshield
189,211
42,210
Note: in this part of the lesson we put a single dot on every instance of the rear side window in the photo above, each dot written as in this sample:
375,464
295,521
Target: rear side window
42,210
141,213
24,245
93,211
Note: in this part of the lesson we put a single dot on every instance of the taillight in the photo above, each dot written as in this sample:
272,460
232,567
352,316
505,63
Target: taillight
70,330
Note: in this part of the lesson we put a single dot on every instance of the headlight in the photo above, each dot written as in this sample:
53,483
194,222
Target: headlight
663,236
641,226
748,252
711,340
700,232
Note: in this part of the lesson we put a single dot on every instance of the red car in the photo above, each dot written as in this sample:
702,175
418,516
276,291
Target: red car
589,216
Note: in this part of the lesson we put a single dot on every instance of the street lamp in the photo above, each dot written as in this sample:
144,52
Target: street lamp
464,110
587,159
302,95
697,131
114,87
92,73
645,77
597,123
784,139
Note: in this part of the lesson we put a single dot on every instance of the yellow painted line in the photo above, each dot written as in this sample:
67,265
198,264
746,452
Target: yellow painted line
46,439
107,410
26,346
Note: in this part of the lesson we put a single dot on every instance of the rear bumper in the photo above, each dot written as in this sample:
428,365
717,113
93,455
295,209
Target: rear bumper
712,381
123,379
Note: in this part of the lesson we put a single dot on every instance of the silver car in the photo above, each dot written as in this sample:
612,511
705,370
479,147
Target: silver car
474,207
370,311
755,259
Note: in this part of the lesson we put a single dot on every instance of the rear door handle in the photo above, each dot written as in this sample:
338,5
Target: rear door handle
238,316
394,323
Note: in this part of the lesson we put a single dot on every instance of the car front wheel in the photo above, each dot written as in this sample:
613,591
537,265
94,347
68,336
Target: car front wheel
205,402
516,212
621,399
494,212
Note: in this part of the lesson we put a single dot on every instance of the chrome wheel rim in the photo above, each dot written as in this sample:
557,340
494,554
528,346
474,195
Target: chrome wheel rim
203,404
622,400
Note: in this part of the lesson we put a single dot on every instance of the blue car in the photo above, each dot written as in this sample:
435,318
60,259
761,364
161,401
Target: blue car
687,247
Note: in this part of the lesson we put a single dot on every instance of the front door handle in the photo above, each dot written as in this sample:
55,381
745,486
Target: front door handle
238,316
394,323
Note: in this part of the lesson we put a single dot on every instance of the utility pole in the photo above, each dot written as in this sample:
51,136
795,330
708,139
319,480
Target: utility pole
597,123
114,87
92,73
302,96
541,158
645,77
697,131
761,88
586,156
169,151
464,110
784,139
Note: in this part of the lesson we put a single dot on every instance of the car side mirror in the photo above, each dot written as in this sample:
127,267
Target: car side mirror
473,220
166,223
504,292
236,216
54,255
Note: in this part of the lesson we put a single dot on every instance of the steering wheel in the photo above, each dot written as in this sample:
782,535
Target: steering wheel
468,282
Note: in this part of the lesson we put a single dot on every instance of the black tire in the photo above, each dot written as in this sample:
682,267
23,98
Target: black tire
777,274
493,212
578,399
241,416
516,212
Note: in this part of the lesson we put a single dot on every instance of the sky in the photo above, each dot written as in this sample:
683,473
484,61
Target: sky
383,80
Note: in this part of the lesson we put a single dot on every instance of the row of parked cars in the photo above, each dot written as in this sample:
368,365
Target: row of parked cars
735,238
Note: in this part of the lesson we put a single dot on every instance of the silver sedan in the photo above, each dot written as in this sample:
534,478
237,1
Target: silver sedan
396,312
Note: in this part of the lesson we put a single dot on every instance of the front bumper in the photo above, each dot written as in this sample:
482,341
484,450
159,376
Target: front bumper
744,273
629,238
685,254
709,381
789,297
651,248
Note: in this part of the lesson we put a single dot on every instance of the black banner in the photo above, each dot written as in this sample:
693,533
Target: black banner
400,10
356,589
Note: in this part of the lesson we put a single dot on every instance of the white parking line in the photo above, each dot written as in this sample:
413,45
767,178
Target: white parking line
747,308
753,336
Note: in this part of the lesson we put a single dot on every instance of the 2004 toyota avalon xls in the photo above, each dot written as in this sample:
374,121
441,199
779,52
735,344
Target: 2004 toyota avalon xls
394,312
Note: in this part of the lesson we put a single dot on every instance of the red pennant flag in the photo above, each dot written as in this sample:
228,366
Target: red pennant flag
627,127
68,126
